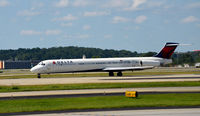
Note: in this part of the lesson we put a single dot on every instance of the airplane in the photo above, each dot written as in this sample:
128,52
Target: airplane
109,65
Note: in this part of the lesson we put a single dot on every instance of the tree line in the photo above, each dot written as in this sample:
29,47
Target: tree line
72,52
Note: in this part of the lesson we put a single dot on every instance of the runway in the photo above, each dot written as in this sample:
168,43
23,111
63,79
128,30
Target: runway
86,92
130,112
154,112
76,80
95,92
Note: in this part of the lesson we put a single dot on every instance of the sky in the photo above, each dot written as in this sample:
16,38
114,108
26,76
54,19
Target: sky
135,25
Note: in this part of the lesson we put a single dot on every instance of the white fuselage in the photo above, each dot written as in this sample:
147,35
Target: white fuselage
96,64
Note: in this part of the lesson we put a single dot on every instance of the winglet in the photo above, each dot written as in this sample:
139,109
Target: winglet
168,50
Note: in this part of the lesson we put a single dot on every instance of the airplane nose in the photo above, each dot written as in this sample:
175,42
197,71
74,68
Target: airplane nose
35,69
32,69
38,69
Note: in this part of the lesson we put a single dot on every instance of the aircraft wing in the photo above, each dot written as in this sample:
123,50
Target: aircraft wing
127,68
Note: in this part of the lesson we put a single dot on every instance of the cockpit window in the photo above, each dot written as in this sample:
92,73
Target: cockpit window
41,63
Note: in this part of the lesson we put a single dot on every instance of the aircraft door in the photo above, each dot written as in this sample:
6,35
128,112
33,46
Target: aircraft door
141,63
48,68
54,66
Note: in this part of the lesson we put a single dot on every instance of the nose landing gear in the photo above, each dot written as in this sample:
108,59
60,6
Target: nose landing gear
38,76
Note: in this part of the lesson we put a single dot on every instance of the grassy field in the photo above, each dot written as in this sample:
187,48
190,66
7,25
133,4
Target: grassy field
24,73
107,102
96,86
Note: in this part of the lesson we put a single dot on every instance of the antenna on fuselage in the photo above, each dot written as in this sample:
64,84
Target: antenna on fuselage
84,57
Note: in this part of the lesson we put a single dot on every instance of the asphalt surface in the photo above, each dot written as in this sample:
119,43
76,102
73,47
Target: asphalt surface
121,112
154,112
76,80
95,92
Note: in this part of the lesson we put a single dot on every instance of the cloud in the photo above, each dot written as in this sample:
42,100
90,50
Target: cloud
189,19
198,25
119,19
82,36
108,36
155,3
81,3
66,24
137,28
77,36
96,13
86,27
140,19
28,13
36,5
194,5
135,5
56,13
4,3
62,3
30,32
69,17
117,3
52,32
33,32
132,5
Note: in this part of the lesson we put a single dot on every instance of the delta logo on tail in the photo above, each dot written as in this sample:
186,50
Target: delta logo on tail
168,50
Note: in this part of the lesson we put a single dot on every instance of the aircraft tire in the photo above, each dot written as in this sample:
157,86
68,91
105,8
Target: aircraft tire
111,74
38,76
119,74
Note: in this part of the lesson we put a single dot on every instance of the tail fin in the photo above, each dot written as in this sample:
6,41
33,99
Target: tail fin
168,50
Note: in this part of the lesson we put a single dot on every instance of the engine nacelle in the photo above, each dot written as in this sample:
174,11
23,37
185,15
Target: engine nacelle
149,63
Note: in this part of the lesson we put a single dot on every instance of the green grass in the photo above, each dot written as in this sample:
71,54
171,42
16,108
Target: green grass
103,102
96,86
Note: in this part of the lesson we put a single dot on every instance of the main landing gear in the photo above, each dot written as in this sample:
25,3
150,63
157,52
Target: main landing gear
118,74
38,76
111,74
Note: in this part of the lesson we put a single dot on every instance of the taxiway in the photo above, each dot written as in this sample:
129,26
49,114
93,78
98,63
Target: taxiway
130,112
76,80
97,92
